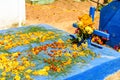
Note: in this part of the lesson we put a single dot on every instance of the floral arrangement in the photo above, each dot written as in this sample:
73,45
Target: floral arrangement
99,40
85,28
117,48
102,41
56,57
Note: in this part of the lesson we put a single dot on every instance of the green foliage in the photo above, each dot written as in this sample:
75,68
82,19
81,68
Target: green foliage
45,1
27,1
99,7
40,1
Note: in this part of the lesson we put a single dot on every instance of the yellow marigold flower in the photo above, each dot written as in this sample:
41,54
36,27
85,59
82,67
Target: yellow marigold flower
58,69
10,63
47,35
47,68
88,22
89,30
75,54
68,55
1,42
118,50
58,54
32,64
85,16
93,39
6,41
41,72
60,41
19,43
84,45
35,73
80,24
21,68
26,63
3,59
15,71
28,71
33,39
15,54
7,37
1,66
69,61
8,46
68,40
75,47
3,74
43,38
24,59
51,37
26,42
17,77
5,54
7,69
50,32
3,78
27,76
81,54
12,36
30,33
14,44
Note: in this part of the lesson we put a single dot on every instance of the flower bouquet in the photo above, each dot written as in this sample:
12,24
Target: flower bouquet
85,28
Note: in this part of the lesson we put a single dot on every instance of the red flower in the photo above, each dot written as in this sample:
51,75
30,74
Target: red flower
116,47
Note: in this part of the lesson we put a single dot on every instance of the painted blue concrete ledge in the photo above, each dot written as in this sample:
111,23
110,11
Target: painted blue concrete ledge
99,72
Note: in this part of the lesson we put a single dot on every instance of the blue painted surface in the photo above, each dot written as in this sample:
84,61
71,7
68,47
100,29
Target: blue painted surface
96,69
101,33
92,12
99,72
99,68
75,25
110,21
96,45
